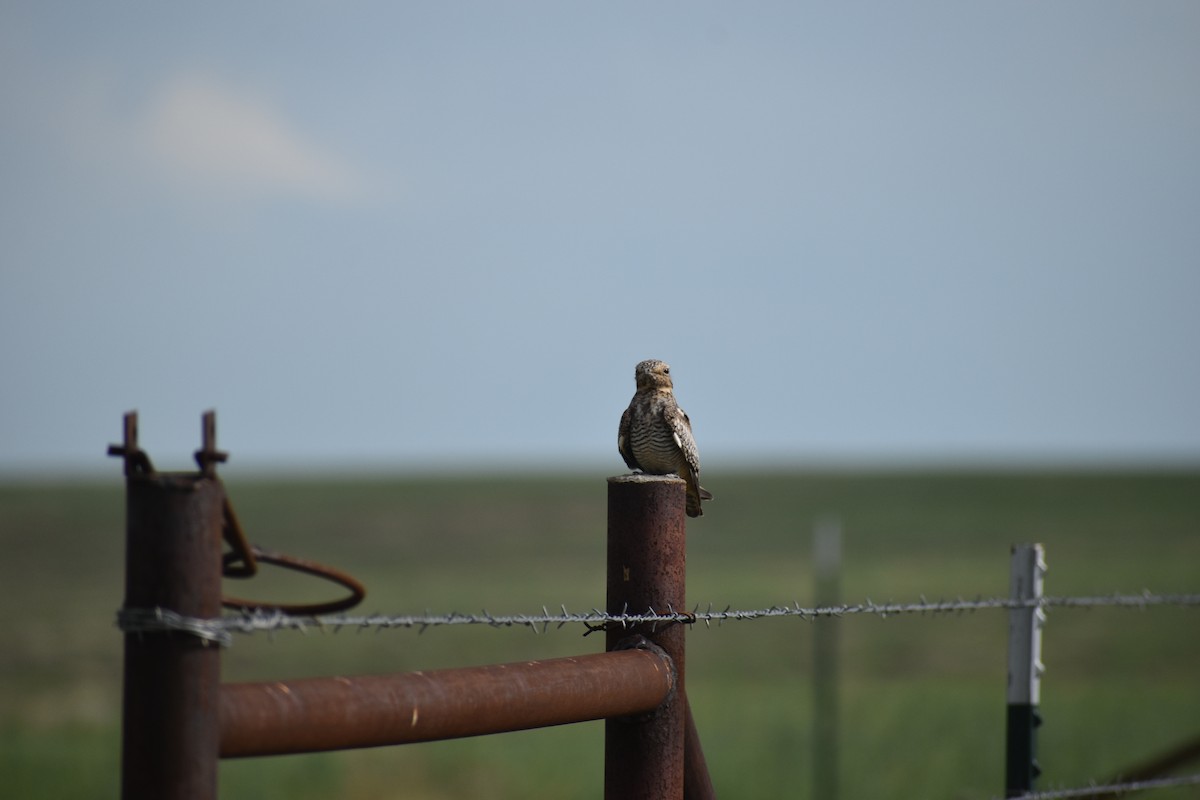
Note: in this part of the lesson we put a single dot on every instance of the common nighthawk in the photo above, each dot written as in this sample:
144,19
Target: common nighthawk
656,435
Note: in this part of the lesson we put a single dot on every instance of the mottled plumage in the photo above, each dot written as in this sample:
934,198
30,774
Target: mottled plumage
656,435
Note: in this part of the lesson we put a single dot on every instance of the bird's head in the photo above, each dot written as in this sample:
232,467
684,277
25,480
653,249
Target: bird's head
652,374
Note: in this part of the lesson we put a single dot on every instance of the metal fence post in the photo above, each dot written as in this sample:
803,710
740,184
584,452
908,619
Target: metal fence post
827,567
170,734
644,756
1024,670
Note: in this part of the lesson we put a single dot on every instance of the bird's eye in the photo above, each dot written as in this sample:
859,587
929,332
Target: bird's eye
666,370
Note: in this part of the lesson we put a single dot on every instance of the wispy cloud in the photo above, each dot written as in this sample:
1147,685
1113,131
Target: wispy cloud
217,136
199,134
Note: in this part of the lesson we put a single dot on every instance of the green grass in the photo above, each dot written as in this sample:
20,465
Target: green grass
922,698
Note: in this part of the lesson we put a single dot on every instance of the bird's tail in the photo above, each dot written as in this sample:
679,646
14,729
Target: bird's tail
694,496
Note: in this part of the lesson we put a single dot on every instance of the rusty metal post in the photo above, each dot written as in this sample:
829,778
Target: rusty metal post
317,714
172,679
644,756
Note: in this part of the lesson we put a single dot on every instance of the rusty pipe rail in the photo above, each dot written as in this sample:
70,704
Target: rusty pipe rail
317,714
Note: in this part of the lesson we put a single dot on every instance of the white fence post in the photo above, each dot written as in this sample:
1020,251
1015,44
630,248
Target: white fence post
1024,668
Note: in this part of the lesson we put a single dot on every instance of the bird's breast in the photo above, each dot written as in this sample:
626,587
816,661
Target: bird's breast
654,448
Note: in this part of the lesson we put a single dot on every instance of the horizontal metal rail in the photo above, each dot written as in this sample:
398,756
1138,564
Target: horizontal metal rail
317,714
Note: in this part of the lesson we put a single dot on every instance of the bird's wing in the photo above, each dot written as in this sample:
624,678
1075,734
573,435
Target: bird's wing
624,445
681,430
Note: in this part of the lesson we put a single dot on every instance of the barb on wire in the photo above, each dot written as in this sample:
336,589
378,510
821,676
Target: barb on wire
219,629
1113,789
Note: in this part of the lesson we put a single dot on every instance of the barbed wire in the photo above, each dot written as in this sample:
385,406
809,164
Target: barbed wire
1112,789
219,630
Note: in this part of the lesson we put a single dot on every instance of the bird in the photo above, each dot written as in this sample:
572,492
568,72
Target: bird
655,435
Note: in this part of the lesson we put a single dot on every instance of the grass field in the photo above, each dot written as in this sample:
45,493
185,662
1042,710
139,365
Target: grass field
922,698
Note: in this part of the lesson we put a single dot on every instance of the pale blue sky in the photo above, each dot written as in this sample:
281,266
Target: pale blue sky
384,234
